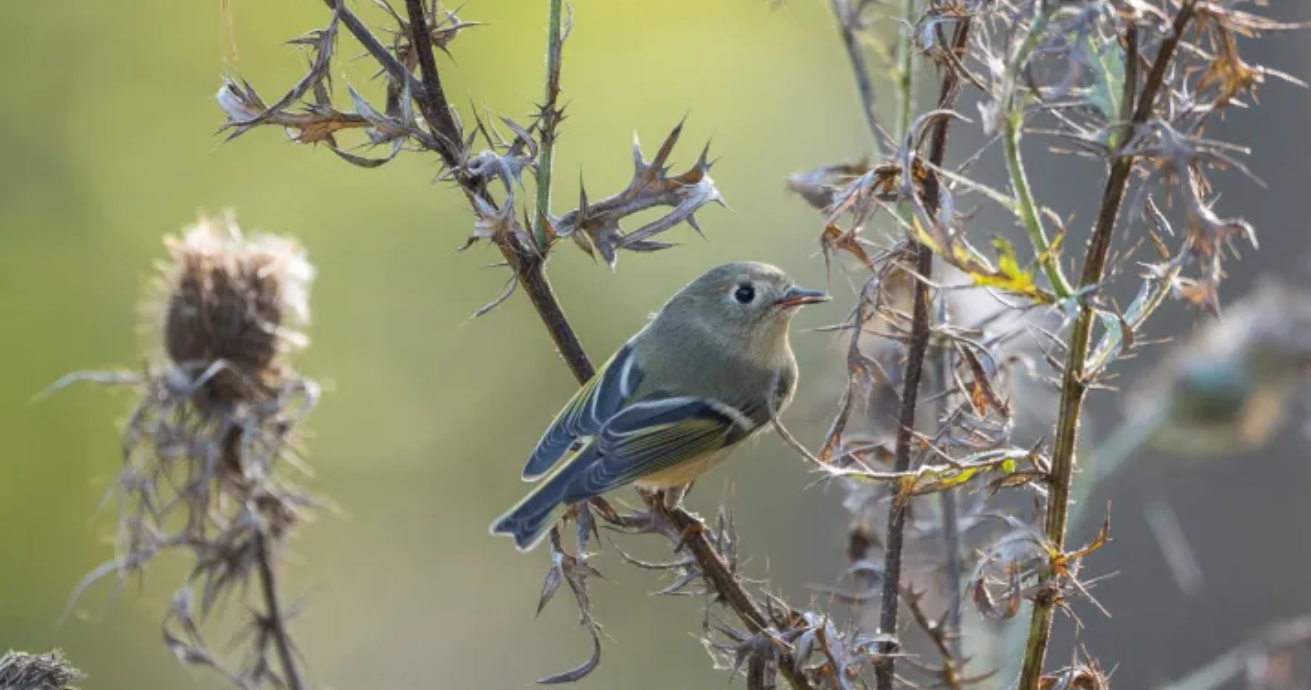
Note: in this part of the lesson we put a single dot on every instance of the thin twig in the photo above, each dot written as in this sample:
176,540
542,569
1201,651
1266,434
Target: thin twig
394,68
906,68
716,571
433,103
944,643
847,26
916,348
273,621
1073,382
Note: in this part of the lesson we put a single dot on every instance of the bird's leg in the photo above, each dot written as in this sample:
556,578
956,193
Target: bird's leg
672,499
673,496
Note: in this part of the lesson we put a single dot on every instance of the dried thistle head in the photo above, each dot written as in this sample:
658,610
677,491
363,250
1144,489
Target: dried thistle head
215,423
231,305
21,671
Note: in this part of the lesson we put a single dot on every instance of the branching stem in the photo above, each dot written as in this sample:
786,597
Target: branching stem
848,24
1011,111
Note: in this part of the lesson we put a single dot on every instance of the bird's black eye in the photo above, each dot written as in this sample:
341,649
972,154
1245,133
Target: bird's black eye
744,294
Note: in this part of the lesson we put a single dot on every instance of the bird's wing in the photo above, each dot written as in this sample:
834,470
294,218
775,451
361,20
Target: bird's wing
591,407
653,434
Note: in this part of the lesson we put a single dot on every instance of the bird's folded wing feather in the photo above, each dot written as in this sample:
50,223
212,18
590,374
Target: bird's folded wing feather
654,434
590,408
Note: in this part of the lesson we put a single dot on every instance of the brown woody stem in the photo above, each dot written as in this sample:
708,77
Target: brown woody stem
916,348
272,620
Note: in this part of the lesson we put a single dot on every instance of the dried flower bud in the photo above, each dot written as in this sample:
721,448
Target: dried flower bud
20,671
232,305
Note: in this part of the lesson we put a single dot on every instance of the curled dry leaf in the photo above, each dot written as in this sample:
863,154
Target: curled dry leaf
596,226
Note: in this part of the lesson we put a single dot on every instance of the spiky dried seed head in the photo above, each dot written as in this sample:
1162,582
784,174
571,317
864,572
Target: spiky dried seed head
233,304
21,671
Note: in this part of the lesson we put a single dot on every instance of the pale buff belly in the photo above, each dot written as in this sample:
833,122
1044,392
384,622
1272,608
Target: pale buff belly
684,473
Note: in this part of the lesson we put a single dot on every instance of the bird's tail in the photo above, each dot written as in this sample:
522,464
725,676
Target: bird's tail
531,517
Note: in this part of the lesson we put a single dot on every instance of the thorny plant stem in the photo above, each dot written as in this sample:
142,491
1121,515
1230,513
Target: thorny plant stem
941,355
725,584
375,48
433,104
1073,383
273,616
847,26
545,158
272,620
917,346
1012,114
530,269
528,264
921,330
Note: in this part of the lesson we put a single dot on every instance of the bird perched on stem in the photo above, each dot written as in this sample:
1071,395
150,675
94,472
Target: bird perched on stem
709,371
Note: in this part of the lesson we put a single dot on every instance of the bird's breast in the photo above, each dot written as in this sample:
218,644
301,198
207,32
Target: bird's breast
685,472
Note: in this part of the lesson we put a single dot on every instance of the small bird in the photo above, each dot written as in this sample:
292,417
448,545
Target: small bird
709,371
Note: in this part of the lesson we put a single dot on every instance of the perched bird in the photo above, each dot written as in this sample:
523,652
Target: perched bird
708,372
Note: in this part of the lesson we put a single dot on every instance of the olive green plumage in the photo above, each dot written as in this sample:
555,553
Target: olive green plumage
702,377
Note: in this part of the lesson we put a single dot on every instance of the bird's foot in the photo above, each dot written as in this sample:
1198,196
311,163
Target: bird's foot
694,528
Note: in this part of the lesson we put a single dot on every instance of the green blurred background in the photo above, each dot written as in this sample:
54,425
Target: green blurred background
107,122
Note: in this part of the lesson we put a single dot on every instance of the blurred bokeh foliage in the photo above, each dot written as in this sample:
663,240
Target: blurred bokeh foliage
107,121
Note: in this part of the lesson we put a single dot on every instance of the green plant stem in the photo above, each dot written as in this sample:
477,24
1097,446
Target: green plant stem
545,158
1074,385
1011,110
1028,208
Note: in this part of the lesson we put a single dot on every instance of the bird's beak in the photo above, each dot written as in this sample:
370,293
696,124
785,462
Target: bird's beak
796,297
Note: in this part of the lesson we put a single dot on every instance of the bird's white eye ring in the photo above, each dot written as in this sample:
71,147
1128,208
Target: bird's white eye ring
744,293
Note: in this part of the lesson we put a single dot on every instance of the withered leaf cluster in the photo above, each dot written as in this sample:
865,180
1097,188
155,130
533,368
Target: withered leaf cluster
309,115
50,671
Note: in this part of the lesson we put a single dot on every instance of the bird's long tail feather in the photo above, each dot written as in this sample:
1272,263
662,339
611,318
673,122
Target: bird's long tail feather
530,518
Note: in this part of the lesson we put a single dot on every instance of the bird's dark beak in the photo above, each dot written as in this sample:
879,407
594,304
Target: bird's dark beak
796,297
